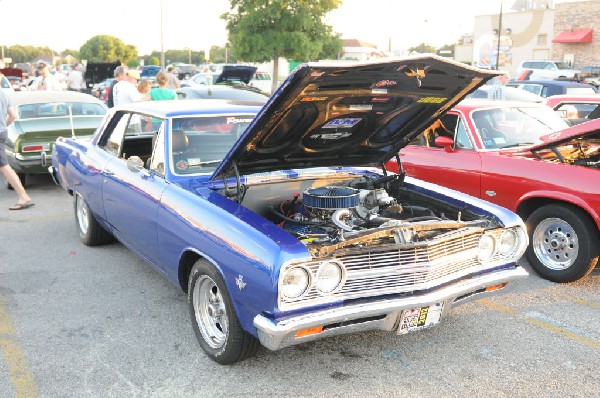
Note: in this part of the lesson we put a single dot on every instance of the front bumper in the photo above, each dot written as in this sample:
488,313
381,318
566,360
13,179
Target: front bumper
378,315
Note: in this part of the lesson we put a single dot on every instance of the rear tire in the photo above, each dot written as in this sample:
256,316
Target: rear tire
214,320
563,243
90,232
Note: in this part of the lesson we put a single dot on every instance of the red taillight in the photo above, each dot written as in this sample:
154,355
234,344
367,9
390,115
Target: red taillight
33,148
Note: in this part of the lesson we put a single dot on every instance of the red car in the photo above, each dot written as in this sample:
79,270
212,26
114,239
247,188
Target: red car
524,157
576,108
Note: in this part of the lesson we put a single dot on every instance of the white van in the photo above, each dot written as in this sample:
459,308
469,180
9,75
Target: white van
547,70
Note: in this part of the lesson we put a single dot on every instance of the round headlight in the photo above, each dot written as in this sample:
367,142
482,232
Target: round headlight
295,282
508,243
329,276
487,245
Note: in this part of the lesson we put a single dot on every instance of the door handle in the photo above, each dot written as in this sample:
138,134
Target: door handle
107,172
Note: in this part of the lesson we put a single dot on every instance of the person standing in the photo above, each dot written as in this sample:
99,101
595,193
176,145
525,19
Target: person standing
75,79
45,81
7,116
161,92
126,92
173,81
496,92
120,75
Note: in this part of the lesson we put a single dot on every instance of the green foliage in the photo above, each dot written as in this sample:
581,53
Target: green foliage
133,63
21,54
263,30
423,48
183,56
103,48
153,61
220,55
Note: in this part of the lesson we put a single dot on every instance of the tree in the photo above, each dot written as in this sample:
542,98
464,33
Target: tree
422,48
263,30
103,48
220,55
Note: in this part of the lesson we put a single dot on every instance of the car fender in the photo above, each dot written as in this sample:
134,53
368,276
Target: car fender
560,197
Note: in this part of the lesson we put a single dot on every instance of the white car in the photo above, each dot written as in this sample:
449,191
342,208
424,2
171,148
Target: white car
547,70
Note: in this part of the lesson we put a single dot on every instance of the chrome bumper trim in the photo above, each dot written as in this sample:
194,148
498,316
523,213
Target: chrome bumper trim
276,335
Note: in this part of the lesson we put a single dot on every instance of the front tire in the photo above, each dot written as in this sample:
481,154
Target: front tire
563,243
214,320
90,232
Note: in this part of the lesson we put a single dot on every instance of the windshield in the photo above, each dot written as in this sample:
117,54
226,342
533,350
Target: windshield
59,109
199,144
515,126
562,65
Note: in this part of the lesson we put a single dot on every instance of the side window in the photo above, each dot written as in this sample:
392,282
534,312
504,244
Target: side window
157,164
462,141
114,141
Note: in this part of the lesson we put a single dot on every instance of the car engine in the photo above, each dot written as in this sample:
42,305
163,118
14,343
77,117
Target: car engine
365,212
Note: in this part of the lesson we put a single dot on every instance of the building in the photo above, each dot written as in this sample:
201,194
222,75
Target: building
356,50
538,30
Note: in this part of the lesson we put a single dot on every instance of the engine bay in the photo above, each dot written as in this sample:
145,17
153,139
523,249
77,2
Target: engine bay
364,211
581,152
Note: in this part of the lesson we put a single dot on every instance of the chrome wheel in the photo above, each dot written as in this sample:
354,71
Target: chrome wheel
210,312
82,215
555,243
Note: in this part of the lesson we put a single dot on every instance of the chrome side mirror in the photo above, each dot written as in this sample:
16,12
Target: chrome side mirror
135,164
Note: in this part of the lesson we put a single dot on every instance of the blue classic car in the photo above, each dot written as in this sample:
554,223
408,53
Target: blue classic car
279,222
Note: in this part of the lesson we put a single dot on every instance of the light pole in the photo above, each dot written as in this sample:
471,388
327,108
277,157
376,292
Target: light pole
498,42
162,47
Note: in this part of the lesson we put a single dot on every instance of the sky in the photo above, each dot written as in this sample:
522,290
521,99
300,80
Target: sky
195,24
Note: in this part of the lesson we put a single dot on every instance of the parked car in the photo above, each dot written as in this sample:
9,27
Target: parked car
576,108
516,155
221,92
275,221
185,71
42,117
547,70
149,72
200,79
591,75
510,94
101,90
547,88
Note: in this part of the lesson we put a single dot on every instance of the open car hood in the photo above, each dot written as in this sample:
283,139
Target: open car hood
236,73
350,114
559,137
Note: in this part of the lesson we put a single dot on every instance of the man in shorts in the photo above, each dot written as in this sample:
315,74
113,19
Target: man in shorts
7,116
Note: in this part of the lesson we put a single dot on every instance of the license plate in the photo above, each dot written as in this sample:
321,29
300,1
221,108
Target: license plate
420,318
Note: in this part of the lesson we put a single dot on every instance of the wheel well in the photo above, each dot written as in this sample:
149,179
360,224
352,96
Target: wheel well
527,207
186,263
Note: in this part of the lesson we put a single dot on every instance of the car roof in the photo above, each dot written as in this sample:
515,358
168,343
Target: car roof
469,104
35,97
173,108
563,83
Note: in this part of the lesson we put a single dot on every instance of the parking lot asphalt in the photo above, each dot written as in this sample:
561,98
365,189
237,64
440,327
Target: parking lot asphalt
77,321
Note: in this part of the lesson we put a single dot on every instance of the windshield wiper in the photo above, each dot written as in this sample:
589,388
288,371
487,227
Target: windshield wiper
517,145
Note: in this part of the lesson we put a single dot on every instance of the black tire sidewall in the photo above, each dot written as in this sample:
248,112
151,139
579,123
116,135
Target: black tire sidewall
587,237
229,352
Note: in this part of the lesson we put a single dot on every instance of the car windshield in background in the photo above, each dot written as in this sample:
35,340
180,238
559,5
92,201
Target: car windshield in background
59,109
562,65
198,144
149,71
518,126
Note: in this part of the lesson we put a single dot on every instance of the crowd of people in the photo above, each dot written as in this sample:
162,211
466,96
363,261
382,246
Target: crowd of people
44,79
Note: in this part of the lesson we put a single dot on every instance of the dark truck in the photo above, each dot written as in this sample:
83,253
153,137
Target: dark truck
96,72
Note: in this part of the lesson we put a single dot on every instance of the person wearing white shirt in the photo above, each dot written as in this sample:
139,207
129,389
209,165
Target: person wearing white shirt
45,81
75,79
125,92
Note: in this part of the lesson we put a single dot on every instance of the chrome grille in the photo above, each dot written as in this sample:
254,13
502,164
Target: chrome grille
378,270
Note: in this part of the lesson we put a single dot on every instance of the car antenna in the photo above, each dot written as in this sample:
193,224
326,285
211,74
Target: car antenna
71,121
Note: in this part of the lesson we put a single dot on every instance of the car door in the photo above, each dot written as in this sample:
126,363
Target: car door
458,169
132,196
